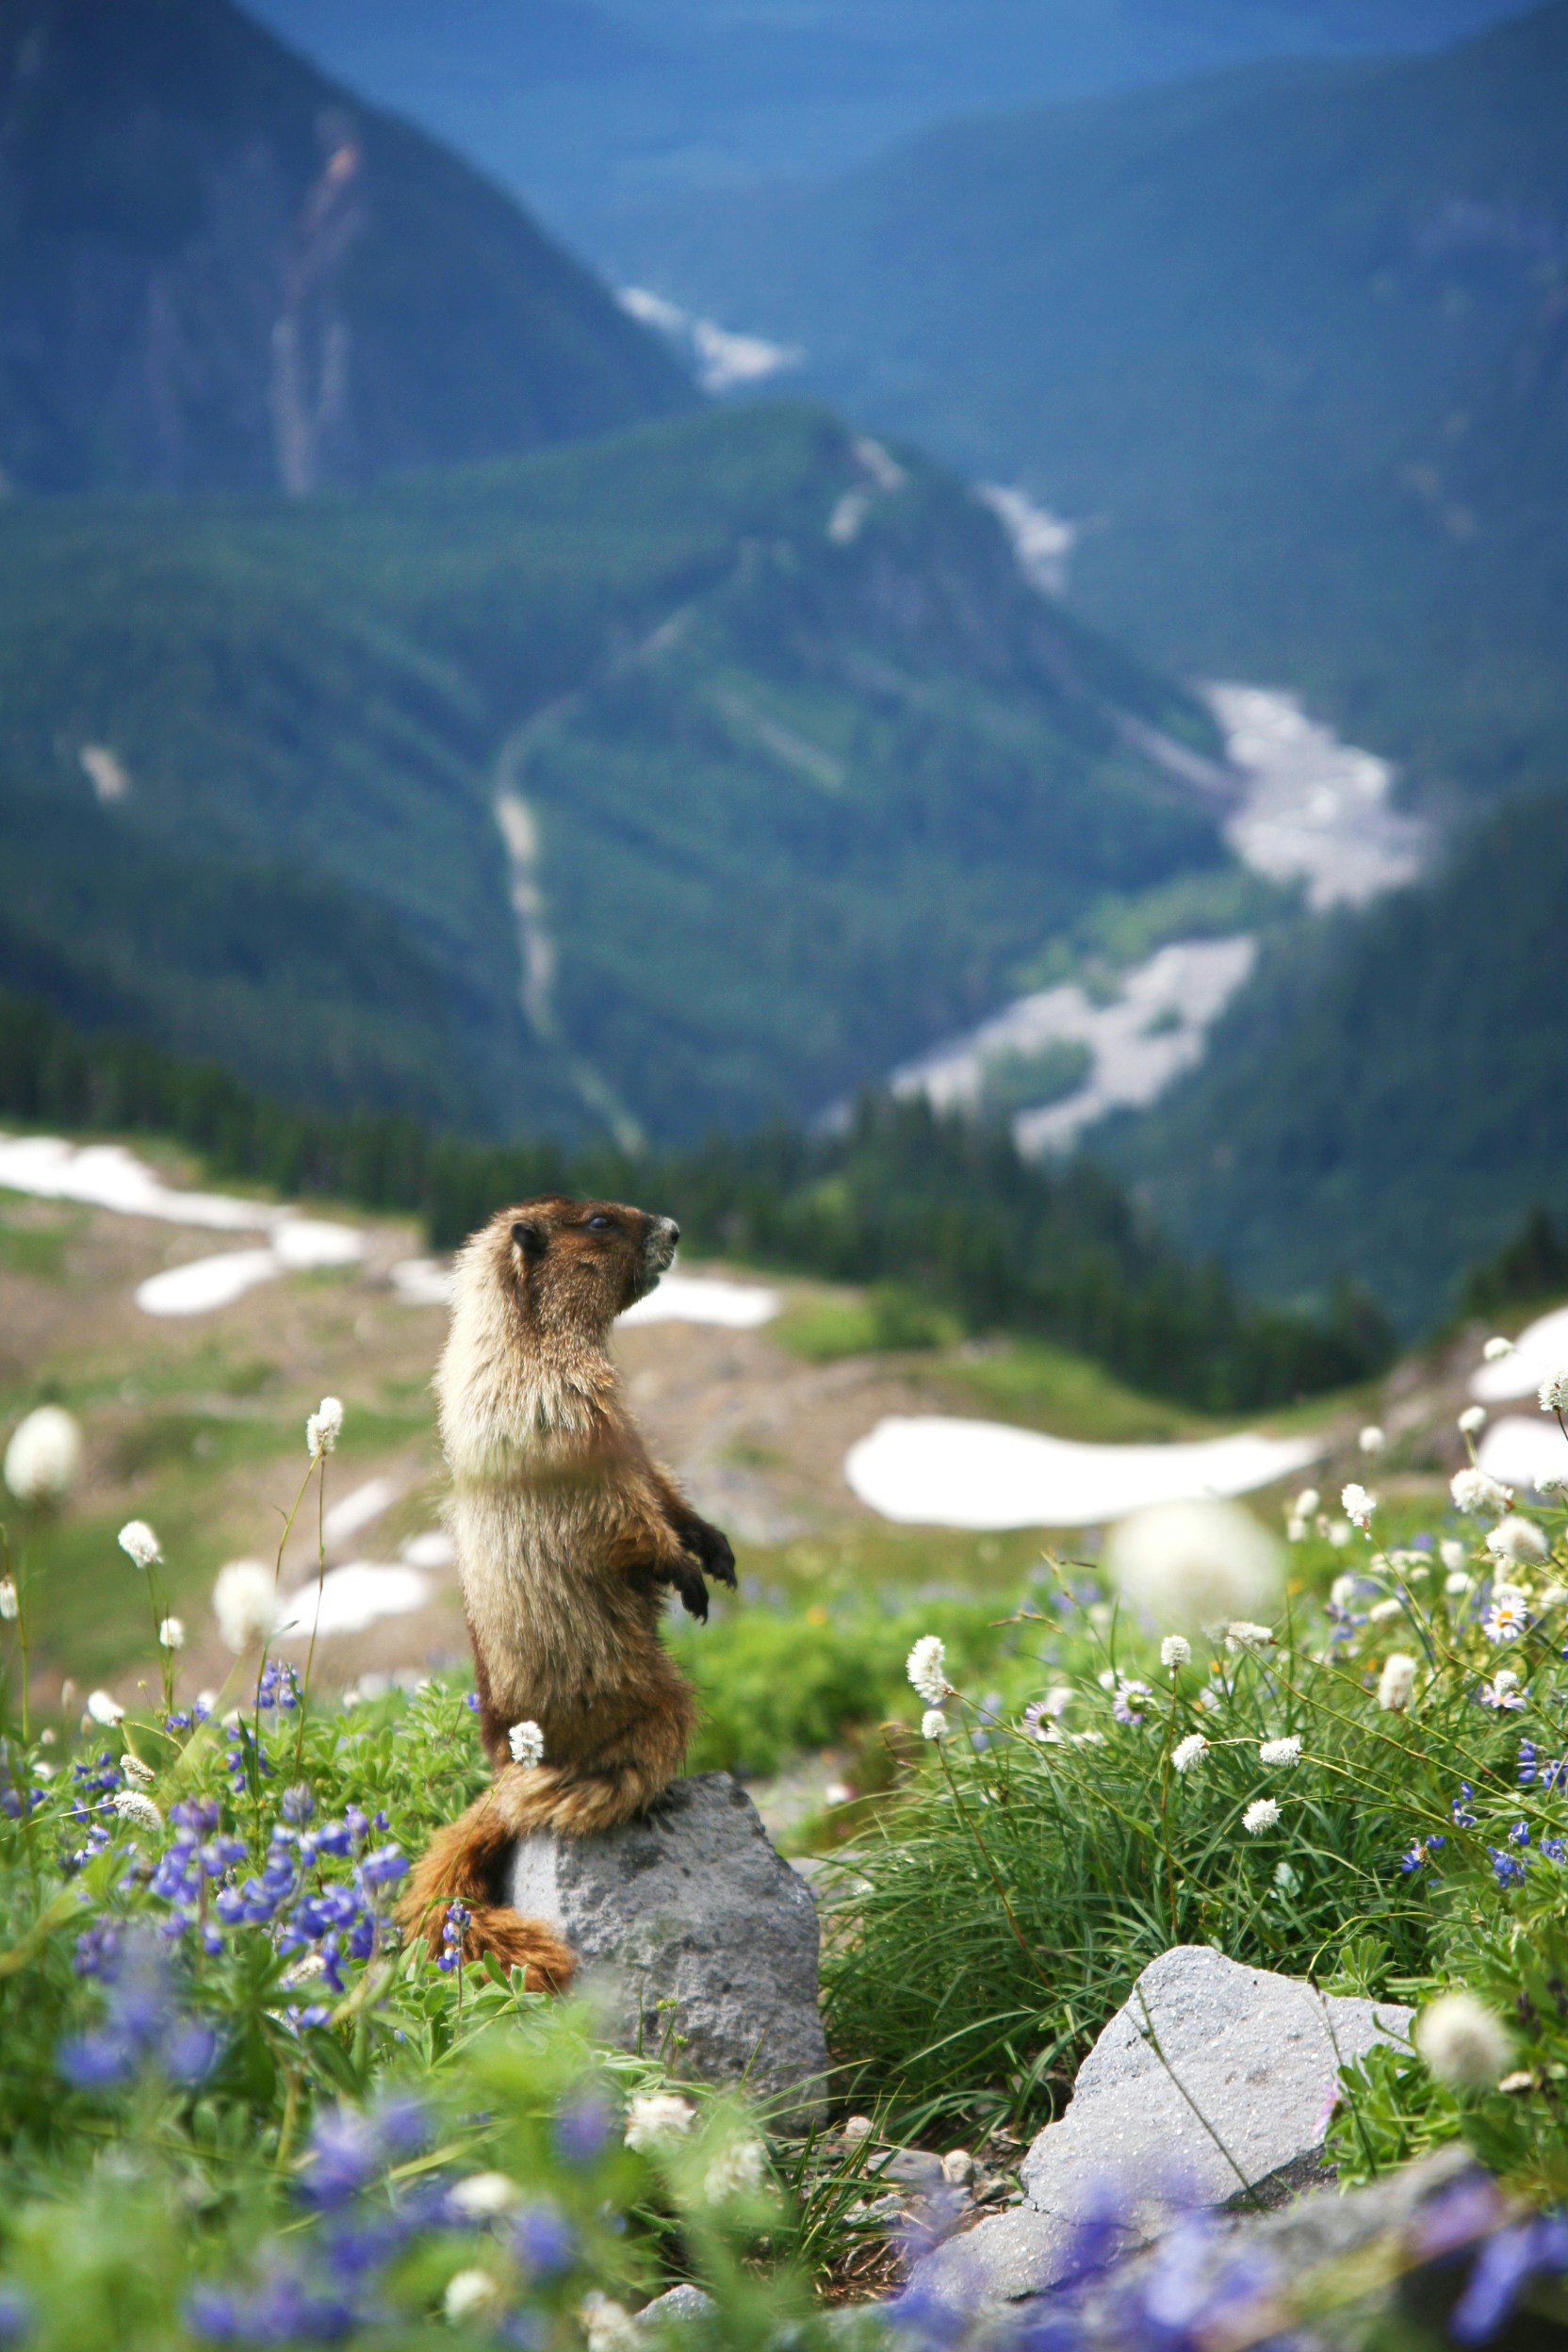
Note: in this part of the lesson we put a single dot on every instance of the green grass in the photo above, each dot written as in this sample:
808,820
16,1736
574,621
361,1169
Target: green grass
1049,1388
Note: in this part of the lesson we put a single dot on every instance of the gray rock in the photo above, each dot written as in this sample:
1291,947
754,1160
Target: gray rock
678,2307
695,1936
1212,2085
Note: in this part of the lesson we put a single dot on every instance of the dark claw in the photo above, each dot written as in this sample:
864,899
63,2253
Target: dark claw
693,1594
713,1547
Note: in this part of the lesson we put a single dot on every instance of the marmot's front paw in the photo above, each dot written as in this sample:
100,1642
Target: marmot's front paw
693,1592
713,1547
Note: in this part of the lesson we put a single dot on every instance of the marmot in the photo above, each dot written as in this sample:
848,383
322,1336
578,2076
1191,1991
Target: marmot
566,1535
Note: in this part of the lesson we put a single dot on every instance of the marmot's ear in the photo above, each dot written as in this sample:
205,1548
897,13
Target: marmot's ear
532,1238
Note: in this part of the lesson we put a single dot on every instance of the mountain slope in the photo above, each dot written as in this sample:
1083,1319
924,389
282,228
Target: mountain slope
1387,1100
218,270
596,108
711,768
1238,328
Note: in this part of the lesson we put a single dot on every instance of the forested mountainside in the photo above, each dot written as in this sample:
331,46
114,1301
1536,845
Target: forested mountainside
219,269
594,108
1387,1100
1287,343
664,781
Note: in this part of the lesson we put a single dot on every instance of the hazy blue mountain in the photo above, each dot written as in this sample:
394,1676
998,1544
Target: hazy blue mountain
217,268
1266,335
592,109
1387,1100
795,773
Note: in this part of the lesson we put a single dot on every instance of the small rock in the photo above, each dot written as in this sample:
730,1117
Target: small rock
697,1937
679,2306
1232,2106
958,2167
858,2128
916,2166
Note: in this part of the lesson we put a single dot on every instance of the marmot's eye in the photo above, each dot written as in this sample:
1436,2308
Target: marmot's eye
602,1224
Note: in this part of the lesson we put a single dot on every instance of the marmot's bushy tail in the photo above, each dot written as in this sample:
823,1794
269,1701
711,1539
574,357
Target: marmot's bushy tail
460,1864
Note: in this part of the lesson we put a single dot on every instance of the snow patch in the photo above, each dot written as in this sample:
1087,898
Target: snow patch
1042,542
106,771
207,1283
1541,1350
1519,1453
348,1599
707,1299
724,361
357,1509
930,1471
1315,809
422,1282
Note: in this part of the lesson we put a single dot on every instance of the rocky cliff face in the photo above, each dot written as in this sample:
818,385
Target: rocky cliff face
216,271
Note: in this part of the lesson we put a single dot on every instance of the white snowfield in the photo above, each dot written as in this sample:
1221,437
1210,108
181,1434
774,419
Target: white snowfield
707,1299
350,1598
1520,1453
932,1470
1541,1350
1314,810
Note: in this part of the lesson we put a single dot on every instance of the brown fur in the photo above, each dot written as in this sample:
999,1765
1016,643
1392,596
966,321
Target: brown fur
568,1534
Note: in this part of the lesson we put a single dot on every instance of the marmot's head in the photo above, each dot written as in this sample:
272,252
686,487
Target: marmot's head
580,1263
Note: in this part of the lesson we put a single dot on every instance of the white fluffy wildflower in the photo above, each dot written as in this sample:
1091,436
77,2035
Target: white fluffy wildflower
10,1607
1185,1565
43,1457
1495,1349
140,1811
105,1708
1472,1420
1452,1552
1518,1541
607,2325
1380,1611
1187,1752
1279,1755
1463,2043
1553,1393
527,1743
1342,1592
1305,1503
1175,1651
657,2119
482,2195
1295,1530
1358,1506
245,1602
1552,1482
171,1634
1372,1439
470,2295
1457,1584
1260,1815
1339,1532
324,1426
140,1545
1479,1496
141,1775
927,1668
1396,1682
933,1725
1241,1634
738,2171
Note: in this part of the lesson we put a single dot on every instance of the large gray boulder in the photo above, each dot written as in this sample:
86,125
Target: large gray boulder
1212,2086
696,1938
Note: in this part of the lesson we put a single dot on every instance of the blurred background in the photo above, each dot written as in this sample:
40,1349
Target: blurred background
933,635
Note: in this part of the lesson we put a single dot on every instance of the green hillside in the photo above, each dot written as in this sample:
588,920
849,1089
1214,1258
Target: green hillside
797,772
1268,335
217,268
1387,1100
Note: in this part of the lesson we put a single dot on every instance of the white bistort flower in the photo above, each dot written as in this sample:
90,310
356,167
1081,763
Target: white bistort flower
10,1607
1518,1541
1553,1393
1339,1533
324,1426
105,1708
1472,1420
1358,1506
245,1602
657,2119
1479,1496
140,1811
927,1668
1175,1651
527,1743
171,1634
1495,1349
1372,1439
933,1725
1552,1482
140,1545
1279,1755
1260,1815
738,2171
608,2325
1187,1752
469,2294
1463,2044
1191,1564
1241,1634
1305,1503
1380,1611
484,2194
141,1775
1396,1682
43,1457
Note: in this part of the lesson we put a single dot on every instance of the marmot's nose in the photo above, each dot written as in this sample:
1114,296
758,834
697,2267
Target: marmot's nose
673,1230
